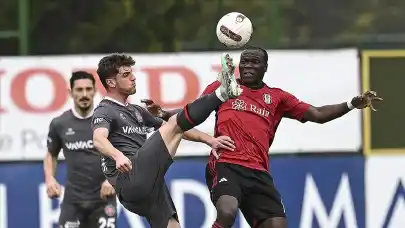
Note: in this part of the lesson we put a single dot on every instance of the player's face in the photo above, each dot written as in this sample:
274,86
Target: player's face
126,80
83,92
252,66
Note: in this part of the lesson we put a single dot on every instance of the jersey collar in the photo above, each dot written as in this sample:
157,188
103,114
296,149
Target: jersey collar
115,101
77,115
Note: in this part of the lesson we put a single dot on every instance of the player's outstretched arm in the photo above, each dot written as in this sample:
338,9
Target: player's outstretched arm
223,141
104,146
157,111
327,113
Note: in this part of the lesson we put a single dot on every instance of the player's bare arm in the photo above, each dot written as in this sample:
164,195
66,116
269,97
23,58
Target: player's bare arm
103,145
54,145
327,113
157,111
220,142
53,188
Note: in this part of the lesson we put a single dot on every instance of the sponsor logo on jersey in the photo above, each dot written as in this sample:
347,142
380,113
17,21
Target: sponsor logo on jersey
79,145
98,120
135,130
70,131
241,105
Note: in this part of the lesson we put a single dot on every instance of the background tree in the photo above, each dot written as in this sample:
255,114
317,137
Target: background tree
100,26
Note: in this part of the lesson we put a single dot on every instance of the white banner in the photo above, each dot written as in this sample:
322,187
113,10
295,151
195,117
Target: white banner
33,90
385,192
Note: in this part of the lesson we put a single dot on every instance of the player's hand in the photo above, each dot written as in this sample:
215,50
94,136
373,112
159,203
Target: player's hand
221,142
107,190
122,163
53,188
366,100
153,108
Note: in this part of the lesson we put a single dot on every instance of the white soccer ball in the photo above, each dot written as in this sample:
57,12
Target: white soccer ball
234,30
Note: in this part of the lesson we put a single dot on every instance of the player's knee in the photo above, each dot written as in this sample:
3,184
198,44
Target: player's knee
276,222
226,215
227,207
171,126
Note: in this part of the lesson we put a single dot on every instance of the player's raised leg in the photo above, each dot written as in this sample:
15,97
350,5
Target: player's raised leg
152,161
198,111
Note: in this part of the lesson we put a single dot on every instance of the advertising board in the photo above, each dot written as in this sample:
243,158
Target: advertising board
33,90
317,192
385,191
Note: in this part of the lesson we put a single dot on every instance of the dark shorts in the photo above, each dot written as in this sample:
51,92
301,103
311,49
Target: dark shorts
143,190
89,214
257,196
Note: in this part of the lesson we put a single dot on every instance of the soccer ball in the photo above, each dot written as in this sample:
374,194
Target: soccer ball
234,30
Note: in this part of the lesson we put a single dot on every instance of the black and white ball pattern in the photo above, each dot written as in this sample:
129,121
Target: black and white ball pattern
234,30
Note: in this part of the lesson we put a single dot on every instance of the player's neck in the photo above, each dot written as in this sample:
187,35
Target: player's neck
83,114
118,97
257,85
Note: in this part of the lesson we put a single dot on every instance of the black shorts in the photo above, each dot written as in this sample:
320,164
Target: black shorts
257,196
143,190
89,214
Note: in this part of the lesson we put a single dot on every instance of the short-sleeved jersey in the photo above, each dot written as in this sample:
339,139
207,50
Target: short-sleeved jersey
74,136
251,120
128,126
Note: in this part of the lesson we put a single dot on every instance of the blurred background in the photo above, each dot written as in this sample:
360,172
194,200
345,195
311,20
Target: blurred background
346,173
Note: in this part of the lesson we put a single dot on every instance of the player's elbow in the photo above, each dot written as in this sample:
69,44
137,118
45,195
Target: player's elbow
97,142
315,115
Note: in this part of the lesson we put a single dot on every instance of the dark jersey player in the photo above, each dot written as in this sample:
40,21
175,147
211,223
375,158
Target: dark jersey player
240,178
89,200
134,165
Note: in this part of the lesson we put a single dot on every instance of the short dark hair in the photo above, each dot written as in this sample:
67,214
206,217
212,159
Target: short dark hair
257,48
81,75
109,65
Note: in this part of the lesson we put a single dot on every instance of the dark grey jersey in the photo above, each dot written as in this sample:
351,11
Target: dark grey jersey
84,174
128,126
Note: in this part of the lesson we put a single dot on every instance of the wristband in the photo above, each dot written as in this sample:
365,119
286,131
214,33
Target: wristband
350,105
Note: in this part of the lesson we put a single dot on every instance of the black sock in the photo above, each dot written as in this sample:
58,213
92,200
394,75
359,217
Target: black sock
198,111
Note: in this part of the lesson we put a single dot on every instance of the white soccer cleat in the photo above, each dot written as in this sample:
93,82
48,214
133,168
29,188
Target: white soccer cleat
229,87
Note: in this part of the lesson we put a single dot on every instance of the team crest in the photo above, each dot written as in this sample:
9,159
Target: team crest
267,98
109,210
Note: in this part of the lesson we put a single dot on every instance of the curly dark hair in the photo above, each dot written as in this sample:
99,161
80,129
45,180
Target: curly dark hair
109,65
257,48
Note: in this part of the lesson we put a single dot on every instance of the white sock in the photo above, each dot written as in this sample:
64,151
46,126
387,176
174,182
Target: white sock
219,94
